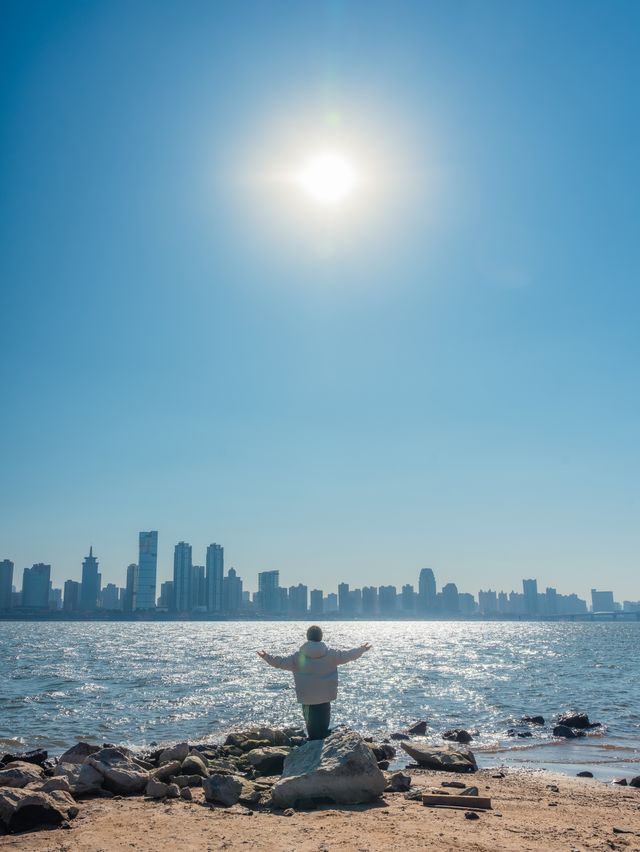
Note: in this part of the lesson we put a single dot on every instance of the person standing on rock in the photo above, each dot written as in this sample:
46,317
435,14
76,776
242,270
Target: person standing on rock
315,673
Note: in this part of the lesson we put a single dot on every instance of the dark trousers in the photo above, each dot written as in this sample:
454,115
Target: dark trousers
317,717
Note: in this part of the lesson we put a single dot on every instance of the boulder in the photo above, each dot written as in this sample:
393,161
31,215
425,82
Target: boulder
166,771
21,810
156,789
418,730
266,736
383,764
186,794
193,764
268,761
444,759
458,735
584,774
173,791
512,732
177,752
532,720
635,782
223,789
340,769
577,720
398,783
83,779
36,756
621,782
566,732
19,774
78,753
51,784
398,735
121,775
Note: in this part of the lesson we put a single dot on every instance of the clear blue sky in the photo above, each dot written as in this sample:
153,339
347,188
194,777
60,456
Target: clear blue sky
446,375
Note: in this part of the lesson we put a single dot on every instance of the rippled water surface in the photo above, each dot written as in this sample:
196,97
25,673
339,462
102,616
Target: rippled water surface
136,683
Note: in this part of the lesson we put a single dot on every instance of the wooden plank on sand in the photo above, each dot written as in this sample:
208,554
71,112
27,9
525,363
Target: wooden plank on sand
432,800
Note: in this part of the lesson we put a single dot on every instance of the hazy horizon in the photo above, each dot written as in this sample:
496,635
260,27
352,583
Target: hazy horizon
442,372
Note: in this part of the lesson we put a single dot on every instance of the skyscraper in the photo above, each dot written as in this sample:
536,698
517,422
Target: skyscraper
387,600
317,603
165,601
369,600
214,577
198,588
182,576
602,601
90,588
450,601
6,582
408,598
109,597
35,586
298,599
144,590
268,590
344,602
132,580
530,591
71,602
427,591
232,592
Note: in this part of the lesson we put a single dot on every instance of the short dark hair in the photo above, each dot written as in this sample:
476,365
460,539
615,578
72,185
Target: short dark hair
314,633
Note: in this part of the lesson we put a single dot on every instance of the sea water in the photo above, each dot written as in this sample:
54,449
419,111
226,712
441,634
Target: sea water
136,683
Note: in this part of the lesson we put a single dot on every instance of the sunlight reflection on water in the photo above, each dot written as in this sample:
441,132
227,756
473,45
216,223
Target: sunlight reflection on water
134,683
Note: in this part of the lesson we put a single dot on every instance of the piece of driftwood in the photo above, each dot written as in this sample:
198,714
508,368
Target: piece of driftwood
432,800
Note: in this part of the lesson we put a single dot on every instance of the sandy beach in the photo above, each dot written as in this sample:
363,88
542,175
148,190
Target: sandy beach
531,811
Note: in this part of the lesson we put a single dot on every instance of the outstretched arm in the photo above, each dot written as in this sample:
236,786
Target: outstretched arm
348,656
287,663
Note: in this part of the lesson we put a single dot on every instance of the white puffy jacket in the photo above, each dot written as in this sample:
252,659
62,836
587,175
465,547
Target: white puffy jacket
315,670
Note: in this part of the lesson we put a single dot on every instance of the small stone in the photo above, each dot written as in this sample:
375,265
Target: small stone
178,752
458,735
553,804
398,735
288,812
635,782
553,788
470,791
458,785
173,791
567,732
156,789
383,764
499,775
533,720
621,782
617,830
414,795
186,794
471,815
419,729
584,774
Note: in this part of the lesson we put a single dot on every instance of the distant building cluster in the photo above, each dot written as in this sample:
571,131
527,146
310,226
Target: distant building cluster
207,589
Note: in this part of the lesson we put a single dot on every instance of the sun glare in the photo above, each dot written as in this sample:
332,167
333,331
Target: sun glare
328,178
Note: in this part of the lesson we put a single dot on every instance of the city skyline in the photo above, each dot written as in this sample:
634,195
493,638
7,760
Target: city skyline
194,587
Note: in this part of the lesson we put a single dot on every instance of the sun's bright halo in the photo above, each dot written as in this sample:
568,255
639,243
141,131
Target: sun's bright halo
328,178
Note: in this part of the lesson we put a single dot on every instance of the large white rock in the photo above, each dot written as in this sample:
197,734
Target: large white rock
121,775
340,769
78,753
176,752
444,759
21,810
223,789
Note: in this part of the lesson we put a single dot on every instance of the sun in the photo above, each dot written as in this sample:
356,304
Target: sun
328,178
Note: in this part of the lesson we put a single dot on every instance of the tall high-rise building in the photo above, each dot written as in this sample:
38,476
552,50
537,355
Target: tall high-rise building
602,601
487,602
331,603
6,583
427,596
90,589
369,600
71,601
182,576
387,600
55,597
144,591
109,597
165,601
530,592
298,599
130,587
450,601
198,588
269,591
551,601
408,598
214,577
344,601
316,602
232,592
35,586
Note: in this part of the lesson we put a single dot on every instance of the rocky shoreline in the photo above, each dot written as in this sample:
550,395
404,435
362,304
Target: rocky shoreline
261,769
